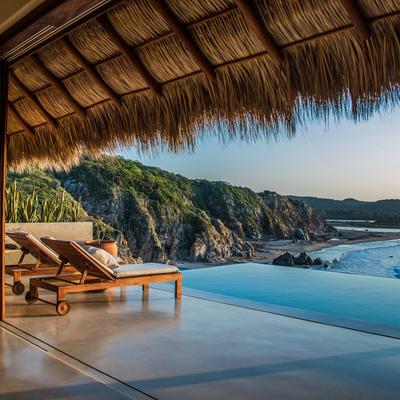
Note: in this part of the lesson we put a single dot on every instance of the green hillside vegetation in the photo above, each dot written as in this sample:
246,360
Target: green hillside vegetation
167,215
384,212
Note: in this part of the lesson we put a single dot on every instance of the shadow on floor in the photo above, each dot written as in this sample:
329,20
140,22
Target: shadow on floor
352,366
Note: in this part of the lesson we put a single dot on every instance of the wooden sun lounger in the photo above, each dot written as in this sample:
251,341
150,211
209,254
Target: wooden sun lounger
95,276
47,262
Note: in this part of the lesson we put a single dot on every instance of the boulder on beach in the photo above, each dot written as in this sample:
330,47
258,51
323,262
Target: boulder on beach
309,261
303,259
318,261
285,259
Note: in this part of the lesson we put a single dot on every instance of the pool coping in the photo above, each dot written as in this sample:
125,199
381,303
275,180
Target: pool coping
291,312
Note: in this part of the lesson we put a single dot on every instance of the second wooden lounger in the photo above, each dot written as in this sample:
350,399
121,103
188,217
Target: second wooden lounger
95,276
47,262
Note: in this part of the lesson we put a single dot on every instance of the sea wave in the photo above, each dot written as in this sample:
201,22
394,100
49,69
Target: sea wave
380,258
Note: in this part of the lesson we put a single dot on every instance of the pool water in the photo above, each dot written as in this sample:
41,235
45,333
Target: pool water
374,300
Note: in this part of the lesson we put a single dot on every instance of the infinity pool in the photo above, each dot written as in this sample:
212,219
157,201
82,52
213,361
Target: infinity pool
373,300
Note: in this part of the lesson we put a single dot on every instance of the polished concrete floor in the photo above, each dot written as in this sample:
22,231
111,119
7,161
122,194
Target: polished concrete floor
199,349
27,372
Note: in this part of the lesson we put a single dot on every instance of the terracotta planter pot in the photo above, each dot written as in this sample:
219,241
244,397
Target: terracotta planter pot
108,245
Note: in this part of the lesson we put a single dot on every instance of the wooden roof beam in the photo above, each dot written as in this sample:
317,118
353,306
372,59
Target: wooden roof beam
90,70
356,15
56,84
255,23
130,55
47,22
27,94
185,37
19,119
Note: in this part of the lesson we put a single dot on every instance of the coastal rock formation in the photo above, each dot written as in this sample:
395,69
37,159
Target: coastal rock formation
167,216
162,216
318,261
219,243
292,218
299,234
285,259
303,260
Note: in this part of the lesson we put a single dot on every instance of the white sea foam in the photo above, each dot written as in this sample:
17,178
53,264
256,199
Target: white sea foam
373,258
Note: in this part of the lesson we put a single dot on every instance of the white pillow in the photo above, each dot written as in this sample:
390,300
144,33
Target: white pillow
102,256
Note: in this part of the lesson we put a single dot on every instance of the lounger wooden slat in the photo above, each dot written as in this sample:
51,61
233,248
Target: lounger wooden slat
47,262
94,276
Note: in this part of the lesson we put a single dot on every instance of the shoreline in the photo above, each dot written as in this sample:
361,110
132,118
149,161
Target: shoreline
266,251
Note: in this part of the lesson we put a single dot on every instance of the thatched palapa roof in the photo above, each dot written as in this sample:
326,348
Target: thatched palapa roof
154,73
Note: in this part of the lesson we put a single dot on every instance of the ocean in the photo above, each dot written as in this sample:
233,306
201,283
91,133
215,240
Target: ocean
381,258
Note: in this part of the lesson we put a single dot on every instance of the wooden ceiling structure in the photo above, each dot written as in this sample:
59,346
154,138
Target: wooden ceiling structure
84,76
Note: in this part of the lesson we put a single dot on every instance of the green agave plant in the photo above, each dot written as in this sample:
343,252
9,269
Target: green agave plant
30,207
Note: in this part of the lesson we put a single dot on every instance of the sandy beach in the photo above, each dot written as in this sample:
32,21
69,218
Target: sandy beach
266,251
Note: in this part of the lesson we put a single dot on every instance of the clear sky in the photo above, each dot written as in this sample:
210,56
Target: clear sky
339,161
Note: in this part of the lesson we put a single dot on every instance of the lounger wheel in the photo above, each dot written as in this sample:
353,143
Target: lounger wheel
30,298
63,308
18,288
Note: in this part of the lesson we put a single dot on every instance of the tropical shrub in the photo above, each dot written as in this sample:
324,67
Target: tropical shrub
54,206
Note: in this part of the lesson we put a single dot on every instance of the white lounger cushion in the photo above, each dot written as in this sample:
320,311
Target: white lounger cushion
128,270
102,256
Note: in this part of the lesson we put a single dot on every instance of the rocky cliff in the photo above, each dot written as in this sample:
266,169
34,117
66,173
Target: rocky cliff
167,216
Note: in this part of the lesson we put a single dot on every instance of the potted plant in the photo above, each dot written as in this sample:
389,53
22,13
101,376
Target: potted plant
109,245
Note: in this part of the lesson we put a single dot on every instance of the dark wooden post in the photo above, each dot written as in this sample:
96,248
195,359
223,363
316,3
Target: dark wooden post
3,172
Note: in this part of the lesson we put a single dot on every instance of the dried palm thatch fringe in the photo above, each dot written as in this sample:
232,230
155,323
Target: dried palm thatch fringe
334,76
